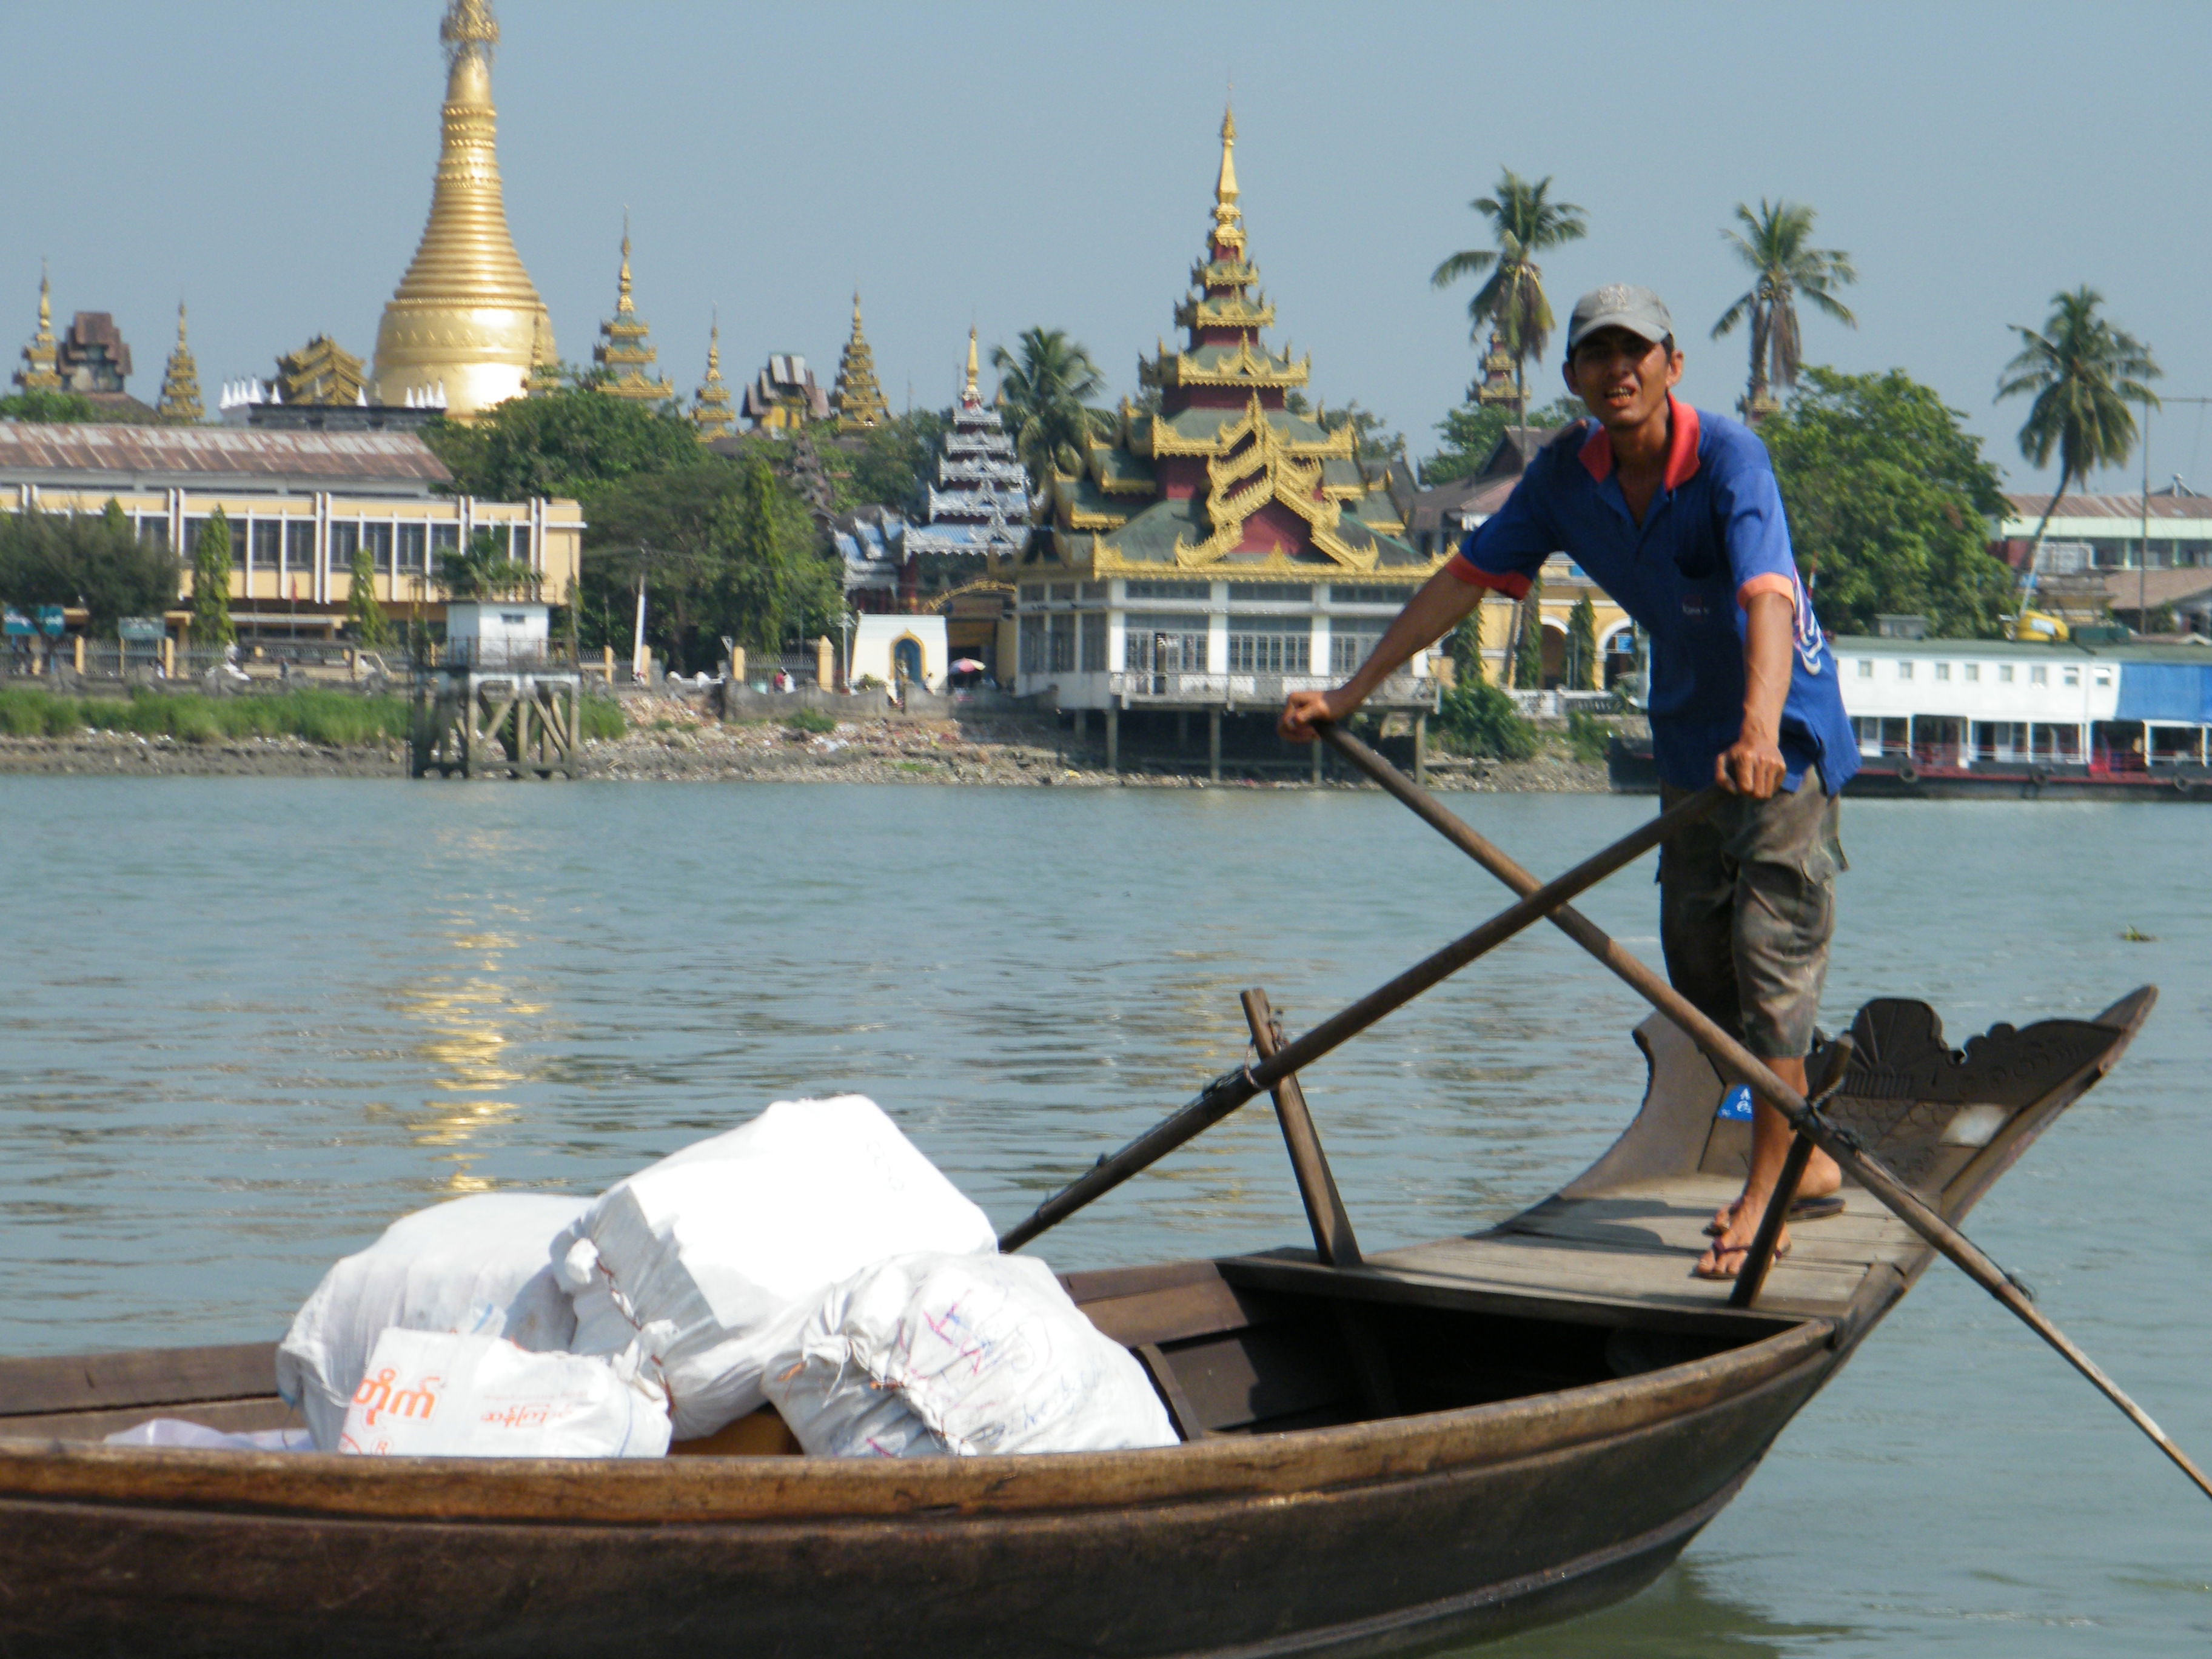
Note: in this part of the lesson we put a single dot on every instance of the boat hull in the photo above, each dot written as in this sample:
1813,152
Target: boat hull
1390,1537
1631,770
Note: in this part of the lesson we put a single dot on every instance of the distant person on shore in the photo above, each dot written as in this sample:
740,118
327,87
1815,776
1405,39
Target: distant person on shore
1674,512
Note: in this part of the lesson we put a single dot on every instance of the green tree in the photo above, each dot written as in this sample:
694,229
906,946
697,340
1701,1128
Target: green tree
364,616
1528,639
1524,221
1776,242
1464,647
775,584
1045,385
566,443
94,560
665,527
1890,503
1472,433
210,622
48,407
894,463
2082,373
1582,646
484,569
1476,717
1372,439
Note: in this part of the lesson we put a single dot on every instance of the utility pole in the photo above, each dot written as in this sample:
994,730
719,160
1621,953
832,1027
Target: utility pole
2142,548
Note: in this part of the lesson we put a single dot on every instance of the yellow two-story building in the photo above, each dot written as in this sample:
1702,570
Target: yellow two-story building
300,504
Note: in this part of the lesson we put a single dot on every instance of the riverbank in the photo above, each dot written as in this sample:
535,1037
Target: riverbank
673,743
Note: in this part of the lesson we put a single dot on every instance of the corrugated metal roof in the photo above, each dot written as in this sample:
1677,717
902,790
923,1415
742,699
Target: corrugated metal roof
64,449
2071,506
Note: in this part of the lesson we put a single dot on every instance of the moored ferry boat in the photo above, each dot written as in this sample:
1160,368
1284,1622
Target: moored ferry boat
1943,719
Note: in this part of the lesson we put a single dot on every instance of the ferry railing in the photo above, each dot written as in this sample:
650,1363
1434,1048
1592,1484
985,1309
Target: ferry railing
1233,691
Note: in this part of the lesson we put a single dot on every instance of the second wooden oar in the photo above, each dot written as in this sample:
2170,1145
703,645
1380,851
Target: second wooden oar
1232,1089
1740,1065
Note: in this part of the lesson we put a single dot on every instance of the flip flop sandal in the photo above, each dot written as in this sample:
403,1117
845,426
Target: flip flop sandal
1742,1250
1802,1209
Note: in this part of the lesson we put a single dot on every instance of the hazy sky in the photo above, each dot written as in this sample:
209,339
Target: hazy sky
1011,165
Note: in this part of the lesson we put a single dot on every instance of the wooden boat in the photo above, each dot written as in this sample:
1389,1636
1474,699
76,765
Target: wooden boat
1449,1441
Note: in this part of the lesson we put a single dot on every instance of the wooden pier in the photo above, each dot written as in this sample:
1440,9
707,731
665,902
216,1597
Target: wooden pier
474,720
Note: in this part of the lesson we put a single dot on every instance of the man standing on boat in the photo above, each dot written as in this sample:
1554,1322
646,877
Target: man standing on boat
1676,514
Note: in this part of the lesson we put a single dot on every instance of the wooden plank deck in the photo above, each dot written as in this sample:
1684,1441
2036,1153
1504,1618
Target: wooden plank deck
1639,1245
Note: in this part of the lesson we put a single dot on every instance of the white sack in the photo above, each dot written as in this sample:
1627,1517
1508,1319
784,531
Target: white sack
429,1394
688,1262
962,1354
479,1266
176,1432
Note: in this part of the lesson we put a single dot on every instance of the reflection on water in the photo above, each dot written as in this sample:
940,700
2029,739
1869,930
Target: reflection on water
471,1052
1688,1612
218,1073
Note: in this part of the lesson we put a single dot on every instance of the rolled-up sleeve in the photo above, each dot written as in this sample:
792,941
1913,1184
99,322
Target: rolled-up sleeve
1754,530
1507,548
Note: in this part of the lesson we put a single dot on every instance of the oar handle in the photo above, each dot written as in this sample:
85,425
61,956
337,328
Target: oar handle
1738,1065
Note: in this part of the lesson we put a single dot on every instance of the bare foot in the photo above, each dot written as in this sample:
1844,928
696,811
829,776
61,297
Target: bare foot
1725,1256
1822,1177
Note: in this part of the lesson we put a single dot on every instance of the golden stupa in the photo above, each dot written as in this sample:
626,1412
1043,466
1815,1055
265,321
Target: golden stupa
465,320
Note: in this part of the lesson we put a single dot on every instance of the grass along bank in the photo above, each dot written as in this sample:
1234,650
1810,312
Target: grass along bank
335,719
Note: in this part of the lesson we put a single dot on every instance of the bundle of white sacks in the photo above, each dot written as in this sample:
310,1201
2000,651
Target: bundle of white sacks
811,1258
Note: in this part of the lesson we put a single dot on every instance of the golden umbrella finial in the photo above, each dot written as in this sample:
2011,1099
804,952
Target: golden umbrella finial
469,27
1224,192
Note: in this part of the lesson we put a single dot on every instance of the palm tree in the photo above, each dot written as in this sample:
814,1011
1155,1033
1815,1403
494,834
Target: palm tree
1785,266
2083,372
1045,387
1524,221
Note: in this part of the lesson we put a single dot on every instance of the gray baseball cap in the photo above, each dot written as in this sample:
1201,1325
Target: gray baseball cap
1617,305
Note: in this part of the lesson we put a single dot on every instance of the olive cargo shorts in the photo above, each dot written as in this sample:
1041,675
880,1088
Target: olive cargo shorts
1746,905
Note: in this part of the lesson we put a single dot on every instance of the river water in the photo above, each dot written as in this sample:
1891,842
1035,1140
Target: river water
249,1021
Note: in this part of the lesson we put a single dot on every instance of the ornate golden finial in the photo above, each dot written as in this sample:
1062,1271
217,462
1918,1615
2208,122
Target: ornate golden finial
969,391
469,28
1224,192
856,396
625,349
622,306
180,381
43,353
710,404
463,324
544,376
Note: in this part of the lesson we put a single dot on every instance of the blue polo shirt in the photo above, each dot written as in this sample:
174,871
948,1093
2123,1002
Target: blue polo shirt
1713,537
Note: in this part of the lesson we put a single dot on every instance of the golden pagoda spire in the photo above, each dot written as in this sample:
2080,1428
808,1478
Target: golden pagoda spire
465,318
625,351
968,394
38,372
710,404
858,401
544,377
624,305
1225,191
180,382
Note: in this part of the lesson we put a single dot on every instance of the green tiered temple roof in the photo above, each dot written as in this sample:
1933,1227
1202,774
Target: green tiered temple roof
1224,480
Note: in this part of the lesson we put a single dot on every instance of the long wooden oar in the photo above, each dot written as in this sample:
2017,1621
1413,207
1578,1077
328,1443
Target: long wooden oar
1740,1065
1232,1089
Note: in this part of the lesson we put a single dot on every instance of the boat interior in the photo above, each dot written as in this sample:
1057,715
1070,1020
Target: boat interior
1592,1285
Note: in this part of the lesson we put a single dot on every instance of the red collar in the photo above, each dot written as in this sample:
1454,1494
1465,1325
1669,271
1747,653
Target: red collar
1596,454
